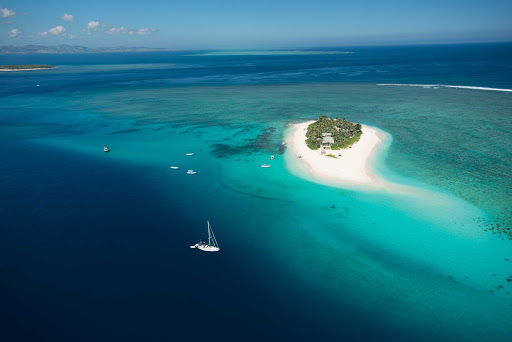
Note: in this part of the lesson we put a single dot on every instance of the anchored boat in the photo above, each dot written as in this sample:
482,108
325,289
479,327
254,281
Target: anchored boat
211,246
265,165
105,149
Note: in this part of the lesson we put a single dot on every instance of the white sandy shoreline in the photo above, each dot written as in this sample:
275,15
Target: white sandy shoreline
352,168
27,69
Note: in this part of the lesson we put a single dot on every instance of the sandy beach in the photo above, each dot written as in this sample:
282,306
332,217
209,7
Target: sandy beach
351,168
26,69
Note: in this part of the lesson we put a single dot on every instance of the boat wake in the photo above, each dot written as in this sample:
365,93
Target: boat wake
443,86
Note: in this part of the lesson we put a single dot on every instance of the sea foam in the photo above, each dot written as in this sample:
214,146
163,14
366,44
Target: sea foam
443,85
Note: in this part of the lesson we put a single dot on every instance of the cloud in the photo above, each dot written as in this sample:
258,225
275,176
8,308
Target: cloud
93,26
68,17
96,26
6,13
114,30
142,31
58,30
15,33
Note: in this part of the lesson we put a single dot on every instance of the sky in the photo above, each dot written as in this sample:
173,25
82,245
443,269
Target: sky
218,24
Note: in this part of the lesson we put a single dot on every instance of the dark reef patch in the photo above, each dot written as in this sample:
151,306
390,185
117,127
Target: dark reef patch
125,131
263,142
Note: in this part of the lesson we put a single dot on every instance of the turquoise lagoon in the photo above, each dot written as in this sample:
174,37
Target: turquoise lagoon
298,259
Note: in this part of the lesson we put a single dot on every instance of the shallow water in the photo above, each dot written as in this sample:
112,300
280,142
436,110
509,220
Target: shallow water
95,245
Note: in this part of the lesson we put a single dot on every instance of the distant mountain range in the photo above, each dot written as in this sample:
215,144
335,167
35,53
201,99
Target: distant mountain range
28,49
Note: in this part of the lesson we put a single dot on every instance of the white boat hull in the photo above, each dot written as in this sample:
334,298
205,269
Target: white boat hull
208,248
205,248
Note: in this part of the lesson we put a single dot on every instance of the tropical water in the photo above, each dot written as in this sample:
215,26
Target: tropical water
95,246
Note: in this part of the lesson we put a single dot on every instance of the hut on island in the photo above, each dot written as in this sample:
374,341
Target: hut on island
327,141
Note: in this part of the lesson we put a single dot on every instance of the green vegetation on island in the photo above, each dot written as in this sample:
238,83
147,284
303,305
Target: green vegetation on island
26,66
332,133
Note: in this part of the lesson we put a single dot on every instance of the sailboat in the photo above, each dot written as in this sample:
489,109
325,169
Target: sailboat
211,246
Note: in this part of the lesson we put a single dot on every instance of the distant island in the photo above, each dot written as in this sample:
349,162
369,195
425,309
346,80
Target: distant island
20,67
57,49
332,133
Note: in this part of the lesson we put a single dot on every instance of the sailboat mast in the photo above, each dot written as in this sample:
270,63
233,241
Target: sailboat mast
209,235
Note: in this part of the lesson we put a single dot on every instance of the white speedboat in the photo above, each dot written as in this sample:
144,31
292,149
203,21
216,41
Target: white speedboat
271,157
174,167
191,172
190,154
105,149
211,246
265,165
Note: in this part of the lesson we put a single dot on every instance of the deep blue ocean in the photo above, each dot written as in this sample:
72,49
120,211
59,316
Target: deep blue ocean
94,246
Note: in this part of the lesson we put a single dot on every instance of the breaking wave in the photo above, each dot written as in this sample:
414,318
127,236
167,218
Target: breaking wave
443,86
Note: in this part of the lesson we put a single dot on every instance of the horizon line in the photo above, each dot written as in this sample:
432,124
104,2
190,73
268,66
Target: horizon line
264,48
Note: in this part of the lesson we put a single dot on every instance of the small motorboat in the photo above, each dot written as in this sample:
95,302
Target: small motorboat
105,149
265,165
174,167
191,172
38,85
271,157
190,154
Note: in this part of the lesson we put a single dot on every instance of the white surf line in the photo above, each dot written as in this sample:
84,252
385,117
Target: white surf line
443,85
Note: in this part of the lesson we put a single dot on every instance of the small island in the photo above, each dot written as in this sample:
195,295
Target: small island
311,146
332,133
21,67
